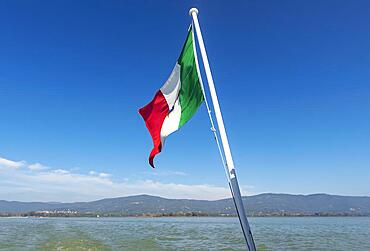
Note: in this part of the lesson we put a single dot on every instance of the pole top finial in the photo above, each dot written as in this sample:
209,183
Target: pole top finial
193,10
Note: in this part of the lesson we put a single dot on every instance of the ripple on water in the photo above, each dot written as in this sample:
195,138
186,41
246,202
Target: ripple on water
81,242
135,244
78,241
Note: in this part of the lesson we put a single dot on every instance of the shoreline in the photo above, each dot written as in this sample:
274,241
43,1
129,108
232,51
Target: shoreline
97,216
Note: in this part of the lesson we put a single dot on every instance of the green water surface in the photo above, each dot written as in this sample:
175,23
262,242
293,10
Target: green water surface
206,233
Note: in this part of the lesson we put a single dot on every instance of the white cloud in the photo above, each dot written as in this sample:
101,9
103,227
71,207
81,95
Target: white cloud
62,185
154,172
93,173
37,167
5,163
104,175
101,175
60,171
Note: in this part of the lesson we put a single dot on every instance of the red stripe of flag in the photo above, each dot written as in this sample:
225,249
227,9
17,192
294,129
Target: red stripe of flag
154,114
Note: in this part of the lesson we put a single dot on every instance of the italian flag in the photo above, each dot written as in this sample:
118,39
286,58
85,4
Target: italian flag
177,100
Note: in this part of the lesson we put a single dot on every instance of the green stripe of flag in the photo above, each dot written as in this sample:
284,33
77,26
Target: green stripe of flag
191,95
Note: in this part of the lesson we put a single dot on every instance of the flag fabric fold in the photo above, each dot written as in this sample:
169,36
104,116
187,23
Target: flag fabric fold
176,101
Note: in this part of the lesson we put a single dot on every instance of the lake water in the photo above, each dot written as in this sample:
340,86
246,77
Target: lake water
205,233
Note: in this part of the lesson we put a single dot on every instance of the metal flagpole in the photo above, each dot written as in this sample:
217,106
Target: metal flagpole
233,182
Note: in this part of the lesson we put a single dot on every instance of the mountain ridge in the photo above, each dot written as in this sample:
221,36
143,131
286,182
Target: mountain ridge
258,205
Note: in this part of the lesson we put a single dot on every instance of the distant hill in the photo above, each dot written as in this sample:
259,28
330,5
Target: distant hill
262,204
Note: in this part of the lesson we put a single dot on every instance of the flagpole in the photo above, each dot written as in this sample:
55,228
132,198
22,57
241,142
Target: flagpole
233,182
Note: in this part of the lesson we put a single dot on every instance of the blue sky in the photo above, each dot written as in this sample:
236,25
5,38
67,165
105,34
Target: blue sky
293,79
